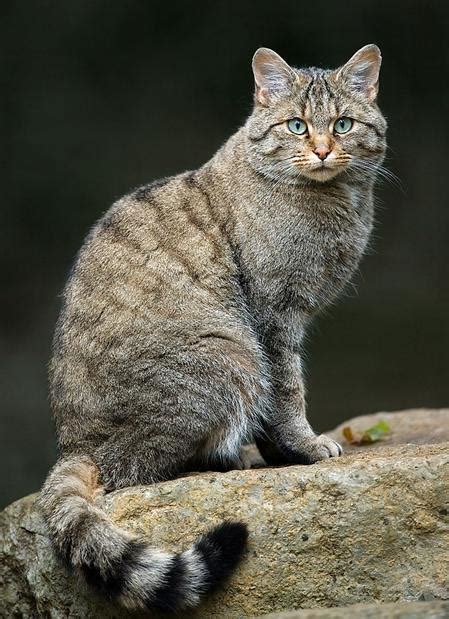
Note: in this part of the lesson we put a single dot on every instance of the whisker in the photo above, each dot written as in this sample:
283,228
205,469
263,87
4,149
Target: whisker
379,170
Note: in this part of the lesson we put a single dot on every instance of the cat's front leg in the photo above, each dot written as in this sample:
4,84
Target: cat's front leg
288,436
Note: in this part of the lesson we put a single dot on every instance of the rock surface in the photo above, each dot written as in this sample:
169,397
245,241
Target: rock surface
419,426
394,610
372,526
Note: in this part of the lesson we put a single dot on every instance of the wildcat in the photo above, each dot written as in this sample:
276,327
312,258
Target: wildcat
181,331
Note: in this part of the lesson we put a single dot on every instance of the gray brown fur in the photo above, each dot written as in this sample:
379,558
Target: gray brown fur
184,316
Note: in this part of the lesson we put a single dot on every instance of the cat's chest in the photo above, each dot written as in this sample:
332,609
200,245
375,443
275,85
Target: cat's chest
302,259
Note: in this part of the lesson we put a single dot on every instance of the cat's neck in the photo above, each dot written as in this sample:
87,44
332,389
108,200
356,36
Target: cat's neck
237,185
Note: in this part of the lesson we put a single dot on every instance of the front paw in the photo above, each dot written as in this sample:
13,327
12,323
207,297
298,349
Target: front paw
327,447
315,449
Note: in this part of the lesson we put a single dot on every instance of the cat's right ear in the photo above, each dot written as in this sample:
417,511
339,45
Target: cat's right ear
272,75
361,72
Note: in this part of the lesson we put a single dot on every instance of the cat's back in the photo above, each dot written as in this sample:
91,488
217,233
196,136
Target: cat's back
158,255
161,217
152,296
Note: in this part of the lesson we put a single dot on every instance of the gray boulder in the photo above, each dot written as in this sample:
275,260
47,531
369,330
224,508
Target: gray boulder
372,526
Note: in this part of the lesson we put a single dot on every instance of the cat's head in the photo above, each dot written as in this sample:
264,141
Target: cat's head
315,124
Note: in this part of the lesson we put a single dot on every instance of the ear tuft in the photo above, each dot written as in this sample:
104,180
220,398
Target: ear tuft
272,75
361,72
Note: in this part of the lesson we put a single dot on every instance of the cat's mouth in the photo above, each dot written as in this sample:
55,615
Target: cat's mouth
322,171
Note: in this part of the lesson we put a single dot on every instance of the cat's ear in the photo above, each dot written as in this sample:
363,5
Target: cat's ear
272,75
361,72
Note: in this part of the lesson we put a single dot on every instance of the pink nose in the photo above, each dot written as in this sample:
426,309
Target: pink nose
322,151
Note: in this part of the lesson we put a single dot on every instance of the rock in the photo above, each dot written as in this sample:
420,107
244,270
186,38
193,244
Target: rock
418,426
395,610
370,526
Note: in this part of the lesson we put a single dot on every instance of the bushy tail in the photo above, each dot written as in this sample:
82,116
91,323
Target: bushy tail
119,565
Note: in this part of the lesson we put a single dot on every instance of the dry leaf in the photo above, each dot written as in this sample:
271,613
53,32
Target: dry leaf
371,435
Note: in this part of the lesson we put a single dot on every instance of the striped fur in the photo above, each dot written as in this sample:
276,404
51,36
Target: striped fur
117,564
184,318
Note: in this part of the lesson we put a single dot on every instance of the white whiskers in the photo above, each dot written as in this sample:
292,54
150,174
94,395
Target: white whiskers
374,169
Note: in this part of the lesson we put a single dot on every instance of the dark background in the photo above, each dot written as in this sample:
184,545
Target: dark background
99,97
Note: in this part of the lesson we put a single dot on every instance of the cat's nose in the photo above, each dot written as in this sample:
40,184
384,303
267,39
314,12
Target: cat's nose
322,151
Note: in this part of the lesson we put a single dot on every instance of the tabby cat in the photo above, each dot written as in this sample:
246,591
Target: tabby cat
181,332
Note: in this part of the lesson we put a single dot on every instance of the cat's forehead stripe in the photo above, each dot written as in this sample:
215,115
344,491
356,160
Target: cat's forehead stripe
308,88
319,100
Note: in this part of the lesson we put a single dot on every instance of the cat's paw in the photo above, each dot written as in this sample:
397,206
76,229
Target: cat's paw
319,448
250,457
332,448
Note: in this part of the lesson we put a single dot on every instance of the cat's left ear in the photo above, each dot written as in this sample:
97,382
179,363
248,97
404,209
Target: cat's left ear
272,75
361,72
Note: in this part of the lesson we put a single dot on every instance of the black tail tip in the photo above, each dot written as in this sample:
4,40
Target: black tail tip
222,548
229,536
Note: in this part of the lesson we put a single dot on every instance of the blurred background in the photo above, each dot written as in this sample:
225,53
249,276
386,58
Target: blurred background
99,97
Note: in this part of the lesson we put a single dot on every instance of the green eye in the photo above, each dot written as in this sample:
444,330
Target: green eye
298,126
343,125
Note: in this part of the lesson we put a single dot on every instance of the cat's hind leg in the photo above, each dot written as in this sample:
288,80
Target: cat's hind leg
196,405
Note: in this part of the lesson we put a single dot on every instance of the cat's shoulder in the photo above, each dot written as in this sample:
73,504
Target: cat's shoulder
145,192
160,200
184,182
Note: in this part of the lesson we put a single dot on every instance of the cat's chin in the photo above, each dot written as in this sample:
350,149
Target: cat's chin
321,174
